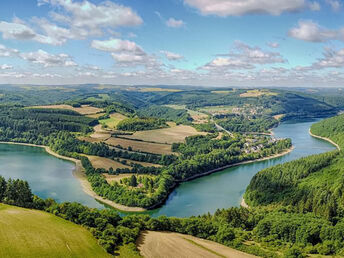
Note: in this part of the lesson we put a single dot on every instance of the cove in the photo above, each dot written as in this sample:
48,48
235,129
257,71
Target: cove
50,177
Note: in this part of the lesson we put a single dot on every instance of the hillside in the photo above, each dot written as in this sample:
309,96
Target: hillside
32,233
311,184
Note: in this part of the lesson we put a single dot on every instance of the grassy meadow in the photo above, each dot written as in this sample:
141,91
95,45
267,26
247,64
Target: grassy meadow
31,233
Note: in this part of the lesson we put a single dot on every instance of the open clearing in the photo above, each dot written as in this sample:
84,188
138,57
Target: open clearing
157,148
222,91
257,93
114,119
100,162
115,178
198,117
95,115
217,109
32,233
166,135
83,110
169,245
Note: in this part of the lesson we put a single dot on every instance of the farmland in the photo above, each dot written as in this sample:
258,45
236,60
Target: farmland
153,244
31,233
175,133
105,163
112,122
83,110
257,93
141,146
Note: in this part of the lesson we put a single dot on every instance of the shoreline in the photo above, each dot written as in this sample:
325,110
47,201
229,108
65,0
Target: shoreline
324,138
238,164
79,174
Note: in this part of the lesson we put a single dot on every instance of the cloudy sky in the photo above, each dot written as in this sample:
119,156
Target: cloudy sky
196,42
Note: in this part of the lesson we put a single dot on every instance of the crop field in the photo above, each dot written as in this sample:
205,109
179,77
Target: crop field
112,122
83,110
198,117
144,164
257,93
95,115
156,148
100,162
222,91
115,178
152,244
31,233
166,135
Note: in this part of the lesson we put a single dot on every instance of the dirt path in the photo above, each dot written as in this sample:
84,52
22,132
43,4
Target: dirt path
154,244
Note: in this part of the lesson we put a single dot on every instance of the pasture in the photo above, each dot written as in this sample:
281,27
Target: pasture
31,233
112,122
174,133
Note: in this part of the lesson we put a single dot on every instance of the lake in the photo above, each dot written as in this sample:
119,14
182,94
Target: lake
49,176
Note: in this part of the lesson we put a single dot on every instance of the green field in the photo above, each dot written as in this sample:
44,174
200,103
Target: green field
32,233
112,122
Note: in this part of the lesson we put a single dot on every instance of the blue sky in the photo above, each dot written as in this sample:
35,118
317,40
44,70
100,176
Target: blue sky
190,42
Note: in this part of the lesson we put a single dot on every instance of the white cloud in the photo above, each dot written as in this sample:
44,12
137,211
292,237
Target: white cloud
242,7
172,56
273,44
117,45
6,67
92,17
332,59
311,31
243,57
173,23
47,60
7,52
335,4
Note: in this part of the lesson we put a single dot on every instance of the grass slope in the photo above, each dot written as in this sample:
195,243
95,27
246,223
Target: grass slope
31,233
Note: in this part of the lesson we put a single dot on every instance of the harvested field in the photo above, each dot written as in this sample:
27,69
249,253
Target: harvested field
156,148
100,162
83,110
169,245
279,117
114,119
217,109
165,135
222,91
100,133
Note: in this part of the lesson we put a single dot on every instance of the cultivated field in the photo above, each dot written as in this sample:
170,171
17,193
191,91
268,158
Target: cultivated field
100,133
222,91
83,110
96,115
198,117
157,148
112,122
100,162
169,245
257,93
30,233
166,135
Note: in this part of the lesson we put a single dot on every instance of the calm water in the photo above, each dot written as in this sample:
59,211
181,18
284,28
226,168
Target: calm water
52,177
47,175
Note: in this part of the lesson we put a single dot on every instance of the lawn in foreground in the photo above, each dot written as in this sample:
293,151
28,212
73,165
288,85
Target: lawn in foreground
32,233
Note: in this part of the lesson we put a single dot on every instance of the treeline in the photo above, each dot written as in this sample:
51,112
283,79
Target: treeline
180,116
32,125
332,128
140,124
241,123
311,184
270,232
